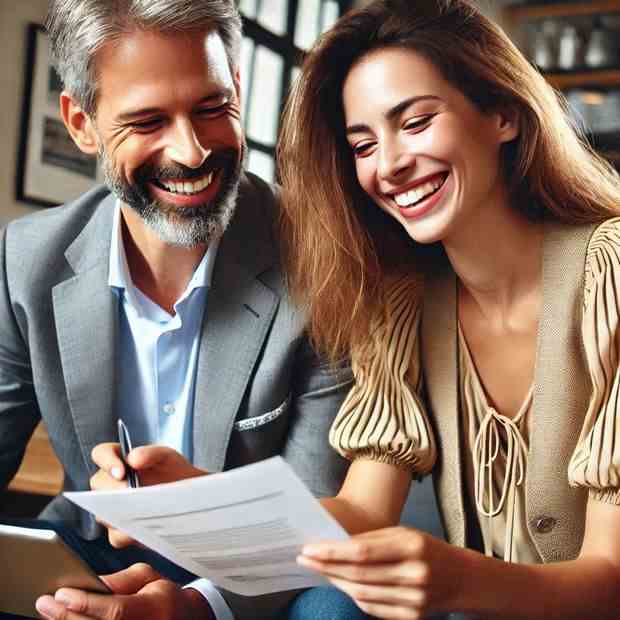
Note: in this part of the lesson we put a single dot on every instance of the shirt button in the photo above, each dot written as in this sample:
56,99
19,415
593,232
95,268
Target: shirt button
169,408
545,524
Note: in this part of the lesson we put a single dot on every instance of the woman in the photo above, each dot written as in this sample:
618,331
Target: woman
450,231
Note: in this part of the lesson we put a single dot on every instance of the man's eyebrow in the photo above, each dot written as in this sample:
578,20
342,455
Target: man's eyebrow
130,115
393,112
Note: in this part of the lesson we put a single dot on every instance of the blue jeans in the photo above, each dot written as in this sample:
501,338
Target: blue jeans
101,556
323,603
329,603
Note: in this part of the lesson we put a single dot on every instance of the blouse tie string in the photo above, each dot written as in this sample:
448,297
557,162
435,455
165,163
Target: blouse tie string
486,452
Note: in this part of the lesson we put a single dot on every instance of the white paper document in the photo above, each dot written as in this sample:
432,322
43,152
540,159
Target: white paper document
242,529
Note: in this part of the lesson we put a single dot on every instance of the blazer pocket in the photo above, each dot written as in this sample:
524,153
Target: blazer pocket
260,420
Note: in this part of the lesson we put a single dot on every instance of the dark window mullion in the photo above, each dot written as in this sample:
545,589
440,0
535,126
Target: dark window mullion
259,146
289,59
282,45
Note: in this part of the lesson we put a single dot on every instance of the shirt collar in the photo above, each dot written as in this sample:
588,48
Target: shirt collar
119,276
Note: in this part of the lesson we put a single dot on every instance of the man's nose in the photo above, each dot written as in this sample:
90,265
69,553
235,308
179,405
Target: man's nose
395,157
185,147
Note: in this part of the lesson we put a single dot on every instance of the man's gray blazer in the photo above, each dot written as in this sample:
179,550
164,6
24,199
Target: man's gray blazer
260,390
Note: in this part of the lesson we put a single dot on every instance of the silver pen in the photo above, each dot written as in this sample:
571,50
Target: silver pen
125,440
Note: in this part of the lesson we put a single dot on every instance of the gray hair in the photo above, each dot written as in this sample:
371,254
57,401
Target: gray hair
78,29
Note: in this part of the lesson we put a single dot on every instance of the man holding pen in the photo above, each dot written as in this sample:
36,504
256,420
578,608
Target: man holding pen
158,299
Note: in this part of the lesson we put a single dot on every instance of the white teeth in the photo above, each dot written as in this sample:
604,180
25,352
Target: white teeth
406,199
188,187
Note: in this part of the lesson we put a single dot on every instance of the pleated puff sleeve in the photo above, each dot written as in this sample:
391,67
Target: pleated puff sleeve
595,463
383,417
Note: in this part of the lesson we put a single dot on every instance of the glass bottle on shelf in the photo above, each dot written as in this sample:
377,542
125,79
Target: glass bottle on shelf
601,50
545,45
570,49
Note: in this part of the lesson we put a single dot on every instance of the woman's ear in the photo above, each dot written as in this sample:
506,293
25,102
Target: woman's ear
79,124
508,121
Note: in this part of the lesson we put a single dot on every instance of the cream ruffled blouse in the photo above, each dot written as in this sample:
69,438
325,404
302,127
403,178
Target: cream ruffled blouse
383,417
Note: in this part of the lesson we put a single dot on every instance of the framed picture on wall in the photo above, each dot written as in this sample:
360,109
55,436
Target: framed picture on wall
50,168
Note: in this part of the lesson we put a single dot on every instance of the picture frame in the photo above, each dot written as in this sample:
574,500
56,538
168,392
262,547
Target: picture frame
51,170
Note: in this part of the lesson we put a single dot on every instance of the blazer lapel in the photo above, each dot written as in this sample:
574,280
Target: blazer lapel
439,357
85,314
239,313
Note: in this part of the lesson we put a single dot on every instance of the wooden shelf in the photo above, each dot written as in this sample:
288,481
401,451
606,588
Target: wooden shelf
604,77
518,12
40,471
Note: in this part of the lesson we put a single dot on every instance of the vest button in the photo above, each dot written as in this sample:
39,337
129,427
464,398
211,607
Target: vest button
545,524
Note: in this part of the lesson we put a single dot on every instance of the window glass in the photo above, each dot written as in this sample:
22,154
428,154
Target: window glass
248,8
330,14
307,23
264,107
272,15
274,37
261,165
245,69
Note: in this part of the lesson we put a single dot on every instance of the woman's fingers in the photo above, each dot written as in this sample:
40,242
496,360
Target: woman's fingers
409,573
387,545
405,596
389,612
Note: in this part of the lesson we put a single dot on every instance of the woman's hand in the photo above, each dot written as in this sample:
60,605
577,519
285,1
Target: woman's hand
153,464
396,572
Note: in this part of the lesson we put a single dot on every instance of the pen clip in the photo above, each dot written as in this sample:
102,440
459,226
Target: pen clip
125,441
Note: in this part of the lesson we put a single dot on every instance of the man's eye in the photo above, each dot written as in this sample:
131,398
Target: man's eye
147,124
213,110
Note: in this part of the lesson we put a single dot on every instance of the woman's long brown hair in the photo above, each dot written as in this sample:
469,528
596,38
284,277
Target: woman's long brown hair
341,248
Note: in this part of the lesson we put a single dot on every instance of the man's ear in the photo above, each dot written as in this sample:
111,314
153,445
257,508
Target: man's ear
508,123
79,124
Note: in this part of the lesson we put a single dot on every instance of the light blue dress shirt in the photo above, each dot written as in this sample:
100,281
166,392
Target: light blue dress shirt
158,353
158,356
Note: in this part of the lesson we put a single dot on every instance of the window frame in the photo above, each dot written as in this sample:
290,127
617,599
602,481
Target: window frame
291,55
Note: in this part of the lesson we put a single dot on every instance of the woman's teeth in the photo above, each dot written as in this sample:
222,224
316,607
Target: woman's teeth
409,198
188,187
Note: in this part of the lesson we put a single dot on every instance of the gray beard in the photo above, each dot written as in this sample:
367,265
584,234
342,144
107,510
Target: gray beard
204,226
178,226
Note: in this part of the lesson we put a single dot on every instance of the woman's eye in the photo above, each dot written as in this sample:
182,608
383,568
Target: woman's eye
419,122
362,149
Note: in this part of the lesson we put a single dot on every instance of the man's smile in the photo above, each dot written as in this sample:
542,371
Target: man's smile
186,192
185,186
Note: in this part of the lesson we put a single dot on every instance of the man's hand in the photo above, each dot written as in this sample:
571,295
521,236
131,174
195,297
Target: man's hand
153,464
138,593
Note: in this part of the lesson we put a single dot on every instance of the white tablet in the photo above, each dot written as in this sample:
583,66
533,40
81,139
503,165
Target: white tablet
34,562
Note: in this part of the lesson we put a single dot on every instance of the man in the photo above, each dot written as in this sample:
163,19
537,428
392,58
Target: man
162,302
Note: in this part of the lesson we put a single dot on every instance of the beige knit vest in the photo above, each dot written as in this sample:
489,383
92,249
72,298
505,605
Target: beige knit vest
555,511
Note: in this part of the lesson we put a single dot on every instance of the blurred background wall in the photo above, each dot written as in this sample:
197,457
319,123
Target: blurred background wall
14,19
